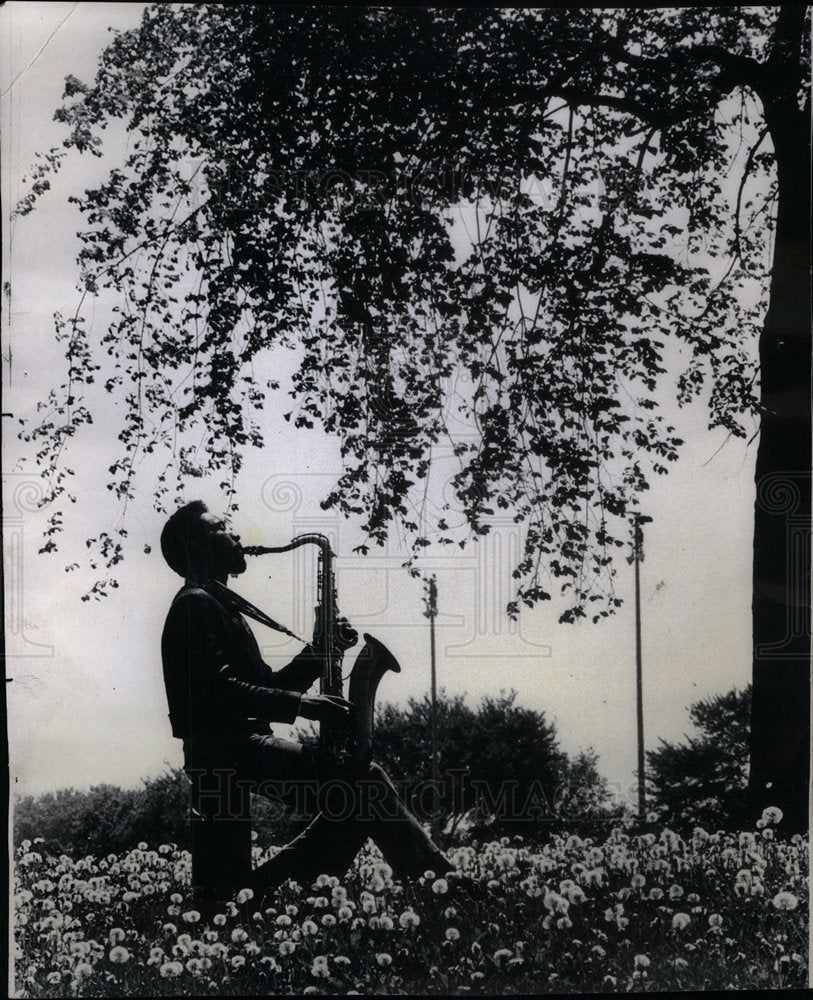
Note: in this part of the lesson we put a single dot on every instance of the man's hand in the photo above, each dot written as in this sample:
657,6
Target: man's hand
344,635
326,708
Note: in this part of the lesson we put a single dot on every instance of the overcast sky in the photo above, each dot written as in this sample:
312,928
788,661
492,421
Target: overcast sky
86,701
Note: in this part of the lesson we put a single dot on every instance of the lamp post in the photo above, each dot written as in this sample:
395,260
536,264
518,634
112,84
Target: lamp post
638,557
431,611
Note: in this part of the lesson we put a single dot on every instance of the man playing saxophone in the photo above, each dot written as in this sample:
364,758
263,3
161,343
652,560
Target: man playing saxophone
222,698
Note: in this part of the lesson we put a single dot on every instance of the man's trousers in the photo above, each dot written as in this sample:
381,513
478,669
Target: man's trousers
348,808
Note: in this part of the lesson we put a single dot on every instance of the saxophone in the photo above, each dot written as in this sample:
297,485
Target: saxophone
332,636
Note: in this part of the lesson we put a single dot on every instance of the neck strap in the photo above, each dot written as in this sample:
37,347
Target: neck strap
237,603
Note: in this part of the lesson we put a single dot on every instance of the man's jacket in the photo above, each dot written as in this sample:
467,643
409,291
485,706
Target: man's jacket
216,681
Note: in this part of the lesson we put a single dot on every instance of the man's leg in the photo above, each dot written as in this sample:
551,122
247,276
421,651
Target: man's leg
406,846
351,809
283,771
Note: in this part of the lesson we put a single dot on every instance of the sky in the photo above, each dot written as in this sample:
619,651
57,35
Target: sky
86,700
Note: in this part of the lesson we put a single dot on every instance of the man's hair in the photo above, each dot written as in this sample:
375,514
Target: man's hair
182,534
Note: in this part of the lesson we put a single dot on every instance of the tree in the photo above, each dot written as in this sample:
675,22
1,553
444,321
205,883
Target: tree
361,183
106,818
498,761
704,779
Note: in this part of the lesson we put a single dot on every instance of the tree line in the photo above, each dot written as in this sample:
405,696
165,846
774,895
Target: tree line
502,770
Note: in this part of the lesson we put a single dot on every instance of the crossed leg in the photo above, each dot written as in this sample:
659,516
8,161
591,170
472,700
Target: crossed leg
351,809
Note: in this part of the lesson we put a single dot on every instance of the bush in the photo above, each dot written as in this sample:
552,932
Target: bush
705,779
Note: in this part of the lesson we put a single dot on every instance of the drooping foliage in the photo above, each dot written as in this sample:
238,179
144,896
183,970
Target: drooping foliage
489,233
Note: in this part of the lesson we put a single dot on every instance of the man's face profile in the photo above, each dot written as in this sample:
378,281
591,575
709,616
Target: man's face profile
223,548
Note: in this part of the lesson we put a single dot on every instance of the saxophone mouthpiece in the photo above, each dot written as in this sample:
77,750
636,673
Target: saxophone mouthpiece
255,550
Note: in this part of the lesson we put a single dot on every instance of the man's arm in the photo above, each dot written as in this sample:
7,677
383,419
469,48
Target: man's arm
300,673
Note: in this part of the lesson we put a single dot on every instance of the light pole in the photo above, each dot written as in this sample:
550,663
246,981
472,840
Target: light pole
638,557
431,613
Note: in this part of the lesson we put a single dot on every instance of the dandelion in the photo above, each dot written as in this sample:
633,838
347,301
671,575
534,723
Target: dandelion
440,887
219,919
116,935
119,955
637,881
238,935
715,920
556,903
156,956
320,967
170,970
283,920
409,918
642,962
287,947
238,961
244,895
383,958
675,892
680,921
452,934
341,960
176,898
309,928
772,815
328,920
190,917
785,901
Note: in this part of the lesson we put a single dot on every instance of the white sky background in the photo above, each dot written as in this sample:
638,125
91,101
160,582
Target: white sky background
86,704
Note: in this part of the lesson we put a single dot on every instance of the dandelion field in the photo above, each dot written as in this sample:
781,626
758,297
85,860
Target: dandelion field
627,913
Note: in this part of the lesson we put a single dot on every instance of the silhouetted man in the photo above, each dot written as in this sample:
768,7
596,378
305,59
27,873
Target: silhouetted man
222,697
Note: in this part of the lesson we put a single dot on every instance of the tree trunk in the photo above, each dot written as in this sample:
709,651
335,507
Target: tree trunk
780,720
